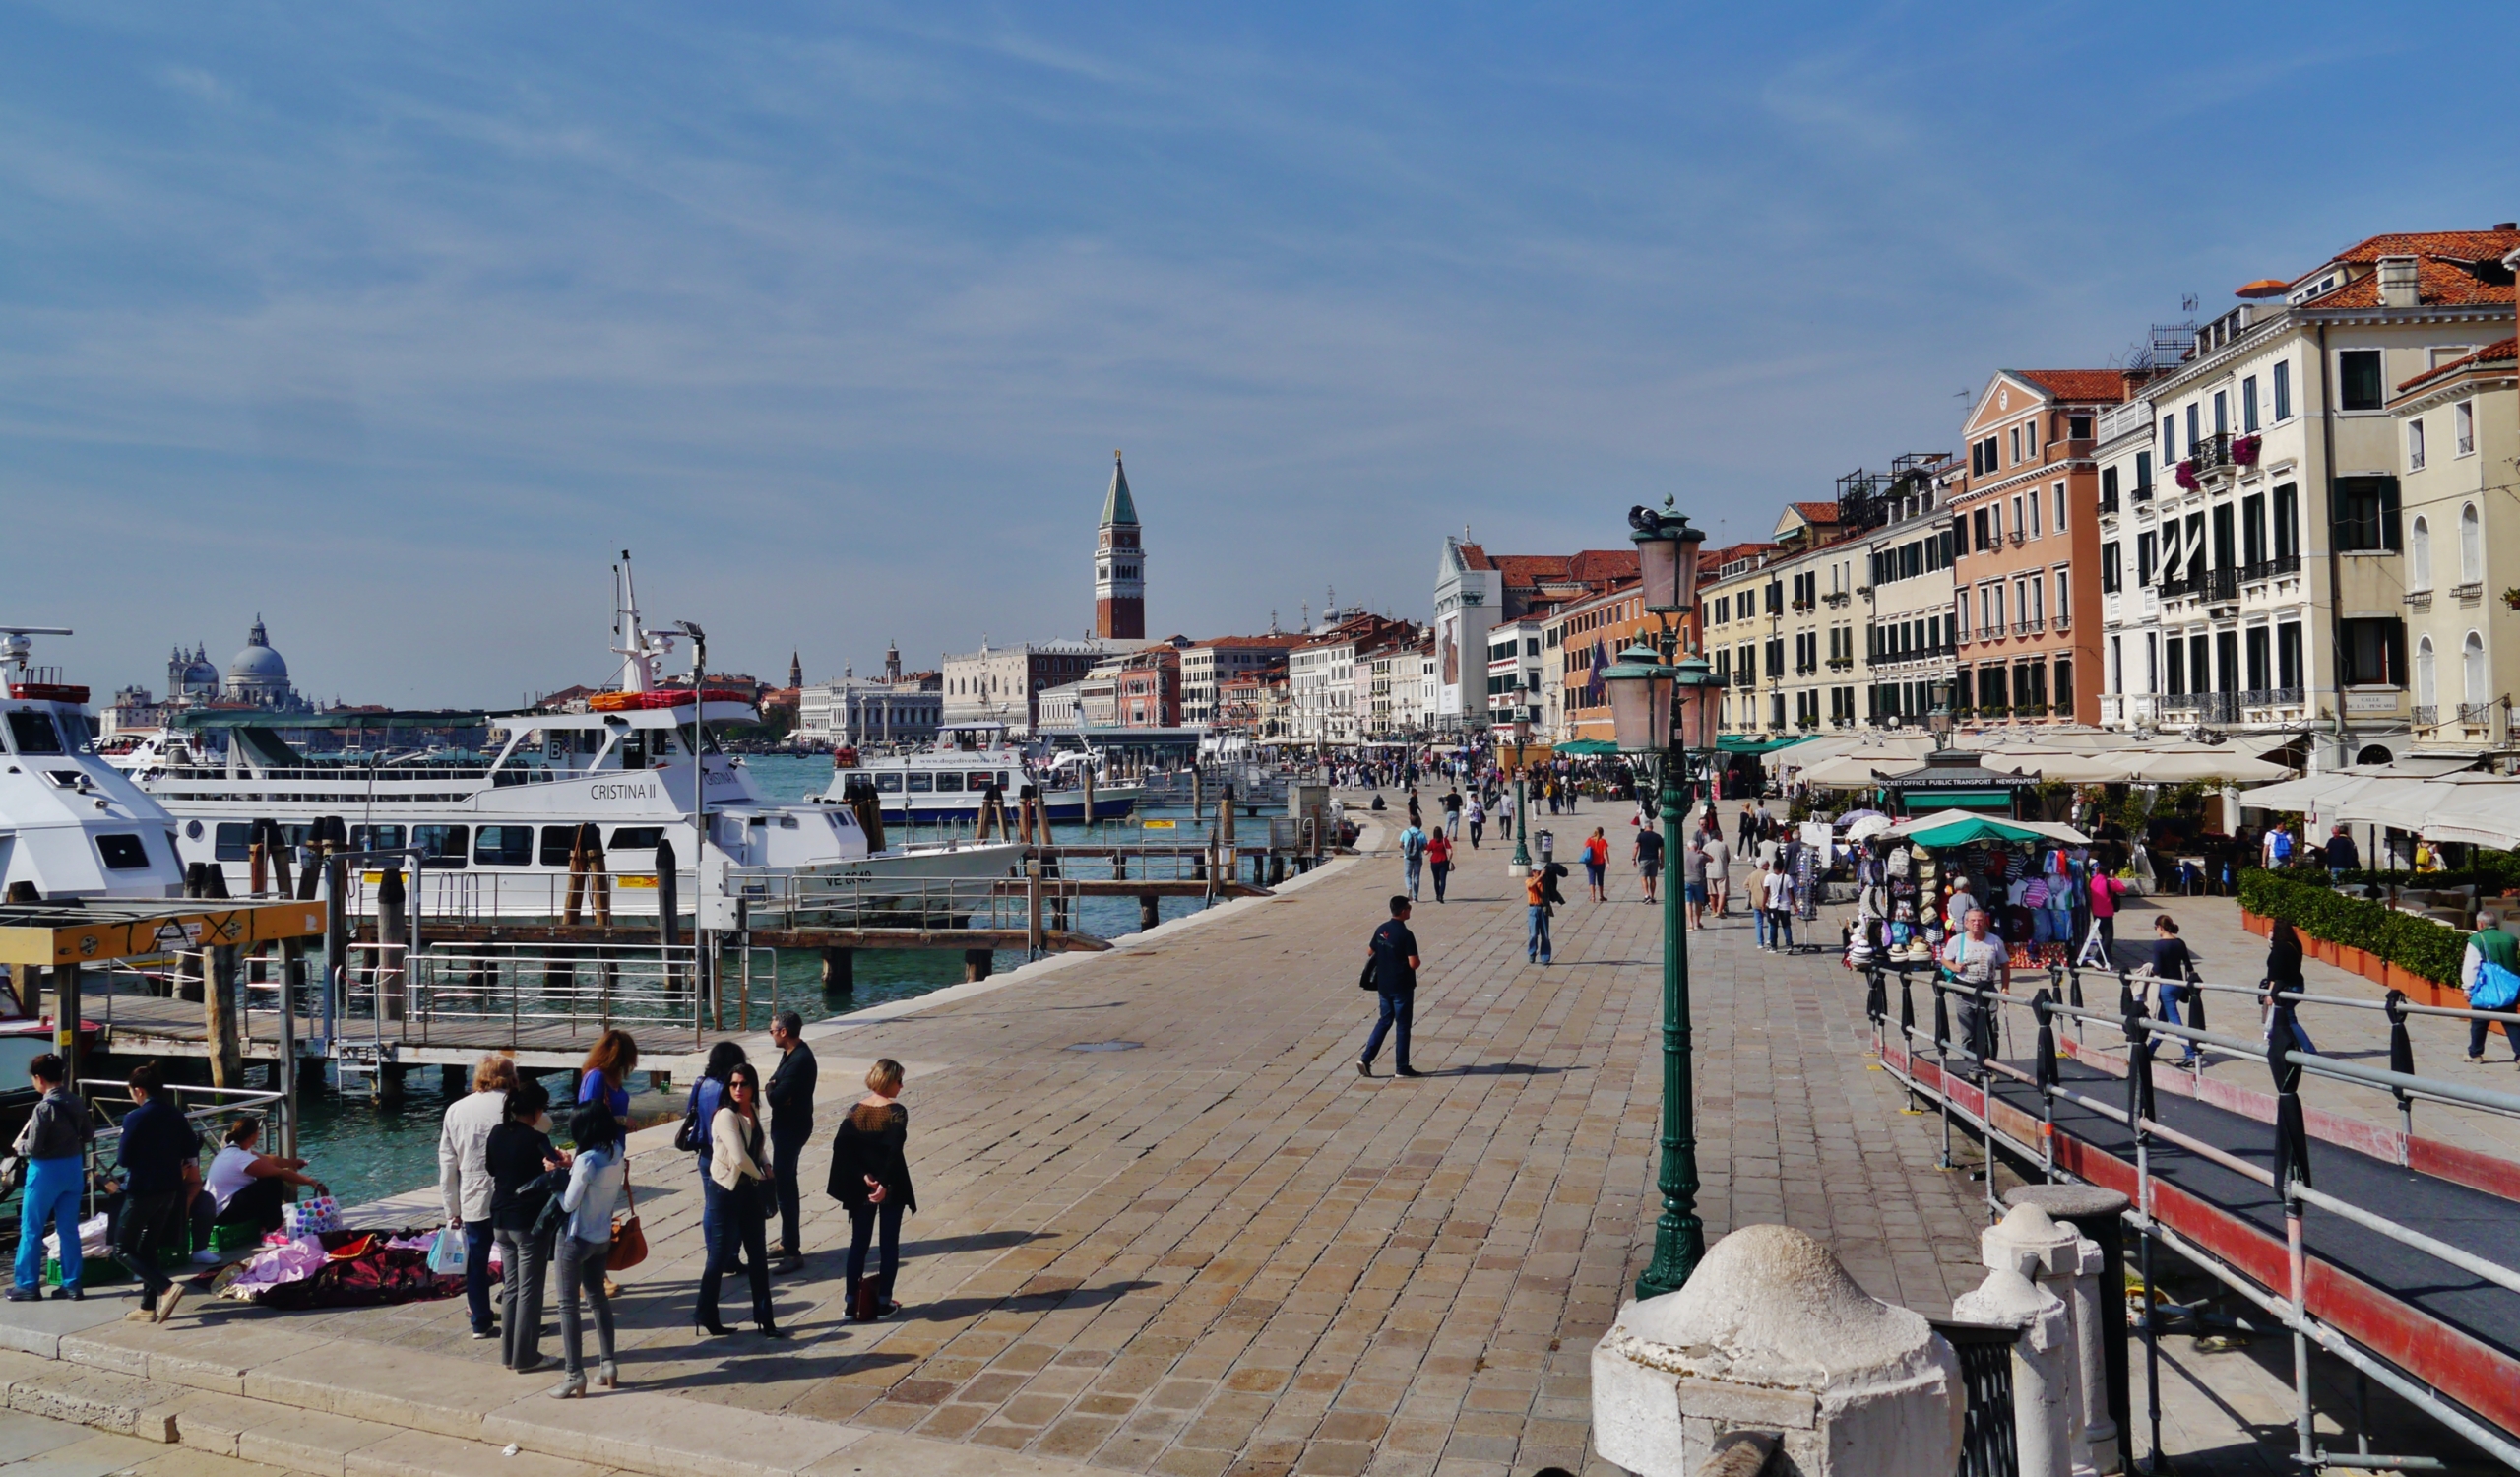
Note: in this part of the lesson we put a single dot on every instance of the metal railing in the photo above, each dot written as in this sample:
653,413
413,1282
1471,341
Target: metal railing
209,1108
2062,1016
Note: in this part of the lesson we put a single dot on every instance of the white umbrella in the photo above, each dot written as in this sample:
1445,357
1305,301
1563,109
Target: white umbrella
1873,824
2061,766
2178,766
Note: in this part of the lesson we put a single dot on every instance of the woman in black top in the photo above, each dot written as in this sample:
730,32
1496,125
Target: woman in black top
870,1175
2284,977
520,1157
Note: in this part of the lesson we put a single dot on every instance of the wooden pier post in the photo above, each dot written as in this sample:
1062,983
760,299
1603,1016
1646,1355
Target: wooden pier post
1198,800
840,971
1147,917
394,943
977,964
451,1082
1033,939
388,1092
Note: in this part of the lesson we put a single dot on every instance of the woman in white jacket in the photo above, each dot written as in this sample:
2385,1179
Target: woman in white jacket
598,1186
738,1180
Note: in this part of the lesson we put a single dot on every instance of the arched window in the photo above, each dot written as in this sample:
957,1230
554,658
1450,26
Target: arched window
2425,694
2473,673
2418,555
2471,547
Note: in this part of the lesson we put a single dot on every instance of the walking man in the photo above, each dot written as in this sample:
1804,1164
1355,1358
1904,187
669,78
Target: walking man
1718,871
1393,964
1648,857
158,1146
791,1127
464,1176
1413,851
1452,812
1978,961
1693,878
1539,887
1477,815
1779,887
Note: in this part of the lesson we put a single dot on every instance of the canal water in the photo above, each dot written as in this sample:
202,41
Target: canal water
363,1151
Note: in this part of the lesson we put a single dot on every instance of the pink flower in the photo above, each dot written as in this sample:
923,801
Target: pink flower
2187,475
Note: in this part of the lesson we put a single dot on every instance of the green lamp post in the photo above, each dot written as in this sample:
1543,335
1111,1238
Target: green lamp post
1662,708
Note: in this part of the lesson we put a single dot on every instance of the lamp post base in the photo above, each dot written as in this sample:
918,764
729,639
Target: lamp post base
1518,868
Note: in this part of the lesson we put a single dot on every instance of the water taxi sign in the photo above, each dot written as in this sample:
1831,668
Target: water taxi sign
1159,826
38,934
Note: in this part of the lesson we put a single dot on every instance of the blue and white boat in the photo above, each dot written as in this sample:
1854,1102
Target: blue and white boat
951,781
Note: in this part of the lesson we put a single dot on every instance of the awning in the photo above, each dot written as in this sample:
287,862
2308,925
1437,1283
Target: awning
1586,747
1961,827
1735,744
2178,766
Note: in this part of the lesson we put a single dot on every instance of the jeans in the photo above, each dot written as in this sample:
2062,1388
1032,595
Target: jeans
1536,944
1413,866
522,1256
477,1273
147,1221
2476,1039
1780,927
1397,1008
881,1224
1477,829
737,1214
582,1270
1443,869
786,1150
51,1198
1759,922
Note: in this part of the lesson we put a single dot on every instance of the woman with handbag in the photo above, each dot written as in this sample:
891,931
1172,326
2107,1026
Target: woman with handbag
870,1175
741,1196
598,1185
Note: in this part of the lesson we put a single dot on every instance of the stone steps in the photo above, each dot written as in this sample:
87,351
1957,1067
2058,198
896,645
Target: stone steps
295,1398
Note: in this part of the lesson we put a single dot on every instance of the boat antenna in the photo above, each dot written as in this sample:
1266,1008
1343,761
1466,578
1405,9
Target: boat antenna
15,648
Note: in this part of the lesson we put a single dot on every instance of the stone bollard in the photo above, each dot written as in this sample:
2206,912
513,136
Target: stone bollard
1771,1334
2046,1359
2097,1307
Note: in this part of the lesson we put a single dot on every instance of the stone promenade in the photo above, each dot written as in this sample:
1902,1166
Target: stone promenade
1164,1227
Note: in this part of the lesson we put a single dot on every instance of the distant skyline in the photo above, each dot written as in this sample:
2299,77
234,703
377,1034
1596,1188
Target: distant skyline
395,325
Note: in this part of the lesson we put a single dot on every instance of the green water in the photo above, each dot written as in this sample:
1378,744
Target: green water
364,1151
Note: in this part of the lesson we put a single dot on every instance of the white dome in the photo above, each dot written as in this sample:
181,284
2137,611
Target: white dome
257,663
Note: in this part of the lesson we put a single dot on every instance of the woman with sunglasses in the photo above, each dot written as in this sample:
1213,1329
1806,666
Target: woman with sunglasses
737,1187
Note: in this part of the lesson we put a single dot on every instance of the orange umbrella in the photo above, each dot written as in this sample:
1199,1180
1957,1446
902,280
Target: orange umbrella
2264,287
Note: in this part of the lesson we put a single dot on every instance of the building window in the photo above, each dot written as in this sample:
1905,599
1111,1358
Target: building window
2367,513
2109,487
2359,379
2249,404
2019,527
2288,521
2143,474
2254,530
2111,566
2419,556
2147,556
2372,652
2064,687
2414,444
2057,496
2078,427
2175,674
2464,420
2170,440
2471,547
2258,659
2034,523
2065,596
2283,392
2221,413
2016,445
2194,426
1978,543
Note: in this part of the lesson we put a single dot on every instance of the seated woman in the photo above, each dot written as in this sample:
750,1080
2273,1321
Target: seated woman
250,1186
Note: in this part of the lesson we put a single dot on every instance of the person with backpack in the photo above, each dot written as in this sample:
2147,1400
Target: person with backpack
1391,969
2489,972
1439,860
699,1119
1596,863
1413,851
1475,812
54,1145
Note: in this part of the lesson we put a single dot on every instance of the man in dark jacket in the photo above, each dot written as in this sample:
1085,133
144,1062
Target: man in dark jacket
791,1124
158,1146
1394,964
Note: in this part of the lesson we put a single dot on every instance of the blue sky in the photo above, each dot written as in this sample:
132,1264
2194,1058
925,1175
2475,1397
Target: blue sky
395,323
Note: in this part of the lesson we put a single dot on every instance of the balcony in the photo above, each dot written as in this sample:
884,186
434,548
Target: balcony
2208,707
1989,632
2476,714
2267,569
2109,503
2271,697
1837,596
1801,606
2419,601
2467,593
1841,663
2030,627
2221,586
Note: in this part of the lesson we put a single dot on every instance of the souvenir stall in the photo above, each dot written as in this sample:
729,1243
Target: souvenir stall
1918,880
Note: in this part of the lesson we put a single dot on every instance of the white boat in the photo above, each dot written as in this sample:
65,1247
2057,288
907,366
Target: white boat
951,780
71,824
497,830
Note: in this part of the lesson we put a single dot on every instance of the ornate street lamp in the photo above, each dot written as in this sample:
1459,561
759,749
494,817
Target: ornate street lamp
1661,710
1522,864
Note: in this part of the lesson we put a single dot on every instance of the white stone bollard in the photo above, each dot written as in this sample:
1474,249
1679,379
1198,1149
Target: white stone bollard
2044,1407
1772,1334
2051,1252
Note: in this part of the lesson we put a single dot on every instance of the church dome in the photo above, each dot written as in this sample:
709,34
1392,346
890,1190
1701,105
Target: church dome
258,664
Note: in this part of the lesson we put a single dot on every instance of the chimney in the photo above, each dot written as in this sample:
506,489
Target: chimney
2397,281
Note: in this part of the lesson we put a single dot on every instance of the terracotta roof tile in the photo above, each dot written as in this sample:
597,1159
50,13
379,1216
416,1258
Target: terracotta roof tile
1816,512
2501,351
2078,384
2449,245
2437,283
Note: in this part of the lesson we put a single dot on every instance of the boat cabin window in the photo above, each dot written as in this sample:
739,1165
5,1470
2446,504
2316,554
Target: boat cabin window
634,749
887,782
948,781
236,841
981,779
123,852
442,846
637,838
32,732
921,782
363,838
559,840
504,846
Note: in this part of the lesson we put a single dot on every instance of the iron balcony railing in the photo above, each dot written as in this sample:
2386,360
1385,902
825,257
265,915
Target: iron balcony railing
2425,715
2031,628
2267,569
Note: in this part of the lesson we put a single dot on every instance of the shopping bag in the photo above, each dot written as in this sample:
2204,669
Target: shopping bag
446,1253
313,1216
629,1247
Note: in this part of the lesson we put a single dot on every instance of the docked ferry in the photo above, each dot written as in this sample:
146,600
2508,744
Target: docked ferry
951,780
71,824
497,830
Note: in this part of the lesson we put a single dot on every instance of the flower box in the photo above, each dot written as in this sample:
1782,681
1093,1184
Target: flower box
2245,450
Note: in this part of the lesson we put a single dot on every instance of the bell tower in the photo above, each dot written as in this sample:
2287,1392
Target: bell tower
1119,564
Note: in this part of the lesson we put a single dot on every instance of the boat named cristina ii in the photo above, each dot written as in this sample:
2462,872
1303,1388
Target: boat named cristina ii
71,825
951,780
498,830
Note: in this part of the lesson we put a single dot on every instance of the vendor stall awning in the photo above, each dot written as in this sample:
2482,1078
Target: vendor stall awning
1581,748
1735,744
1960,828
